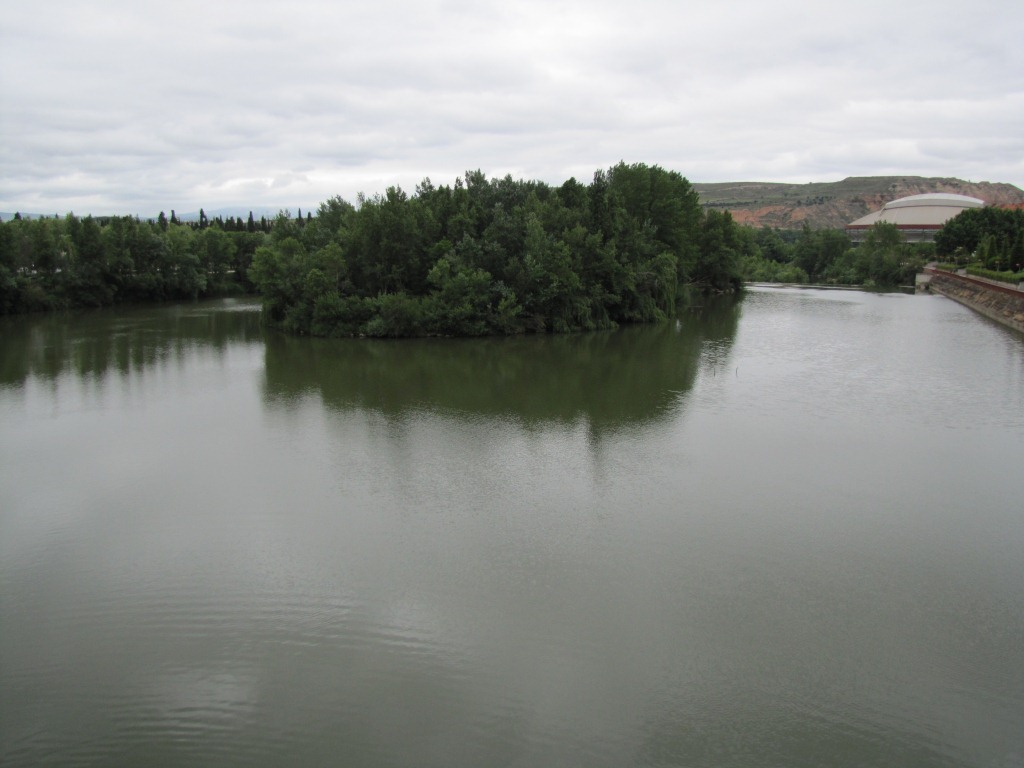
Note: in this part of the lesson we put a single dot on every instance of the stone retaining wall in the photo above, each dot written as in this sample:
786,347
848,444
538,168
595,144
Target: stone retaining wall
1004,305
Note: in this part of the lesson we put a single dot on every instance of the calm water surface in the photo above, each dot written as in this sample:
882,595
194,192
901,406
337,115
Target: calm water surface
787,531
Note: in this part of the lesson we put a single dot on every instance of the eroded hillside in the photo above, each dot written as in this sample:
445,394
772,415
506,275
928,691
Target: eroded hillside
835,204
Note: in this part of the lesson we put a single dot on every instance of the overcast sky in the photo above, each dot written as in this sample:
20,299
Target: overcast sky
132,106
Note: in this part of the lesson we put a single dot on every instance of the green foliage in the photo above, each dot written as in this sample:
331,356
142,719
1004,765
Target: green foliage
757,269
827,257
53,263
991,274
772,247
993,236
720,246
498,256
817,252
479,257
882,260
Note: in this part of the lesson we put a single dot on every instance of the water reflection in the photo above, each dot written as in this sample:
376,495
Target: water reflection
375,553
90,345
608,380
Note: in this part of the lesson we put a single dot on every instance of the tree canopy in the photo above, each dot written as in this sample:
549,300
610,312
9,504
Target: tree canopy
488,256
992,237
482,256
56,263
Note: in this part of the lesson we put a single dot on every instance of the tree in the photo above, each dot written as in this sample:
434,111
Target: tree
969,228
216,251
772,246
816,250
719,264
881,255
1016,257
487,255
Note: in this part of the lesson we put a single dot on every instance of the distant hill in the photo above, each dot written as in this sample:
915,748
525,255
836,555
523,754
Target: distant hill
240,212
835,204
825,205
9,215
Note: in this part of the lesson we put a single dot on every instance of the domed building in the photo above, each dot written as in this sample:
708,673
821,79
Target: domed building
918,217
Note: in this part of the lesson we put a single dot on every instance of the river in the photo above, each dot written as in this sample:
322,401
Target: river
782,531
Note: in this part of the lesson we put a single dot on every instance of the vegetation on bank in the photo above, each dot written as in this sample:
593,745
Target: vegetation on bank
991,274
60,263
988,241
986,238
484,256
481,257
828,257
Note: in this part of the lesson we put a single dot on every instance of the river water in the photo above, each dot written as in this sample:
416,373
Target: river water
782,531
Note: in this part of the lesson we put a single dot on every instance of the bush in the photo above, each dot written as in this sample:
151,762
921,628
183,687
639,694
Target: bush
991,274
757,269
334,315
397,314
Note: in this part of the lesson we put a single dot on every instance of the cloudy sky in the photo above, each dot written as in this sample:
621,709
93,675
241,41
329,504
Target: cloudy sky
133,106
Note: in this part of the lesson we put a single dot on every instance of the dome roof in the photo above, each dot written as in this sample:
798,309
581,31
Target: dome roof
943,199
929,211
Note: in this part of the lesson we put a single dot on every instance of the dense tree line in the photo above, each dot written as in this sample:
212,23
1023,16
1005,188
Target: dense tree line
55,263
988,238
482,256
992,238
488,256
827,256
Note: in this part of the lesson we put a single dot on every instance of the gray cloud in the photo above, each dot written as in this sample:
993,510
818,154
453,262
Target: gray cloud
141,106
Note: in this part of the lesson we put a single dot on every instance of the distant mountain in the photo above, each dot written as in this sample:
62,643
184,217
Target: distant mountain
239,212
224,213
825,205
9,215
835,204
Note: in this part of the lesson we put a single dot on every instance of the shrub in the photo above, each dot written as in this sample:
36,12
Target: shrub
991,274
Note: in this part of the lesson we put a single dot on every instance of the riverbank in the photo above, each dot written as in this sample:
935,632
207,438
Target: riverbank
998,301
